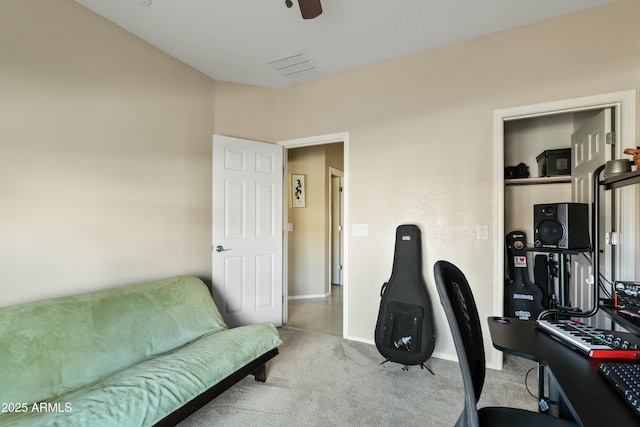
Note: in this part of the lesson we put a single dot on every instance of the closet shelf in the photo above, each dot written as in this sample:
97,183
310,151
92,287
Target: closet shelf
536,181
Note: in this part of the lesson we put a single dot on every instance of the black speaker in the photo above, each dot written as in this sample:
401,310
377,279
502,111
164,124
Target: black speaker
561,226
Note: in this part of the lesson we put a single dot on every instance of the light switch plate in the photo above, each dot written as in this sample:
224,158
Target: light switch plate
360,230
483,232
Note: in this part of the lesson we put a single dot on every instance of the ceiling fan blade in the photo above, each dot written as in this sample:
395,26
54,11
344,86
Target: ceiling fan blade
310,8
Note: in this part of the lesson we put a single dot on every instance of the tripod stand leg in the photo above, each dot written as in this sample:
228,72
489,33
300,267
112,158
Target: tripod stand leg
427,368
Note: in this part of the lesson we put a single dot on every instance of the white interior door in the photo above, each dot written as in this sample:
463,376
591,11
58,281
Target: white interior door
247,230
589,151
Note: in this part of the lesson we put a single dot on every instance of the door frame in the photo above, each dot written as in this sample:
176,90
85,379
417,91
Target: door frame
307,142
625,104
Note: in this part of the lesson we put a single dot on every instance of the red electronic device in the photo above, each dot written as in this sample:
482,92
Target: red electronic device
627,297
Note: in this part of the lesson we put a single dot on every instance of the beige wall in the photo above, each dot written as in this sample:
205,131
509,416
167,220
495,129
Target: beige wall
244,111
421,131
306,242
105,146
105,155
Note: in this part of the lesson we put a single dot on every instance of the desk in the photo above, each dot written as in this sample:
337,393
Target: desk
587,393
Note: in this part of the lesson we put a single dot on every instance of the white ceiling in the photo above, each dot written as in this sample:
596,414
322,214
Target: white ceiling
234,40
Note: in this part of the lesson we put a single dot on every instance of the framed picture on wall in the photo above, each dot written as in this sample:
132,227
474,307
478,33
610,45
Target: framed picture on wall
297,191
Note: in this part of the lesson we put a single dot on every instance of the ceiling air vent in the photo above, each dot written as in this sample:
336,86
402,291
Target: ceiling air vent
296,67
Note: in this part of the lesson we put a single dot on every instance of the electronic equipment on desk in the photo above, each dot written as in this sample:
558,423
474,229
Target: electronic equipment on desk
625,378
594,342
627,297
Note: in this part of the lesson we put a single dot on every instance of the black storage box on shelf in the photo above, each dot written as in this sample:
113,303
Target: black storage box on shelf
554,162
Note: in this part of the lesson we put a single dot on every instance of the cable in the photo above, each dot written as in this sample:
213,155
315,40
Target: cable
602,287
605,279
526,384
543,403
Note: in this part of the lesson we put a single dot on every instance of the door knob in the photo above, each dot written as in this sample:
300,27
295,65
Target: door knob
221,249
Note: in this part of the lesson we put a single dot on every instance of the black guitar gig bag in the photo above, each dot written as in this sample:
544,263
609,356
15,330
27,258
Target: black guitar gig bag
404,330
523,299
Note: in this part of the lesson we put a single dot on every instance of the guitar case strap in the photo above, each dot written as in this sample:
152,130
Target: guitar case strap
404,329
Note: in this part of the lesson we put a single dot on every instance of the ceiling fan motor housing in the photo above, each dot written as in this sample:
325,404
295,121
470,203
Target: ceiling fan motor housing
310,8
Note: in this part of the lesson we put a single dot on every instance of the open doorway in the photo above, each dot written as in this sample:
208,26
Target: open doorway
315,296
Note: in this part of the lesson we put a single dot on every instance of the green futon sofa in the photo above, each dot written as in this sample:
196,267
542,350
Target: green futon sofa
139,355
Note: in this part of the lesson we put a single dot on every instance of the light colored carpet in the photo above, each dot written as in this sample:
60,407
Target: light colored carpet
324,380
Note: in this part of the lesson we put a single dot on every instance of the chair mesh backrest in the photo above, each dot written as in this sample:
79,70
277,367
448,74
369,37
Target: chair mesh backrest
460,308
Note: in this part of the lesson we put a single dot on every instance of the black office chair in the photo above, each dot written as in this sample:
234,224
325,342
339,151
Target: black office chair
462,315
